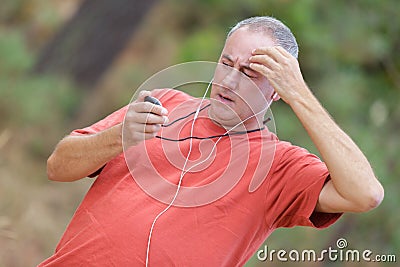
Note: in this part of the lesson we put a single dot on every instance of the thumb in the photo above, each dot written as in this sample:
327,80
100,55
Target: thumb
142,95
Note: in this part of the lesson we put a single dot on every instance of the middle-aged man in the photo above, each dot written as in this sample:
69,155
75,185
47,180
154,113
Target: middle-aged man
119,223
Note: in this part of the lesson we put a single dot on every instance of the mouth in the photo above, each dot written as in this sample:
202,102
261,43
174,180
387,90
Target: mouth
224,98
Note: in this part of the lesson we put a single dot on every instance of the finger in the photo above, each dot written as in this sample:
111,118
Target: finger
147,107
283,51
264,50
260,68
145,128
263,59
157,109
270,51
142,95
150,118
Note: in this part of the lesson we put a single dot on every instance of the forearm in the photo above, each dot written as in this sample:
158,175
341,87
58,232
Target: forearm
353,186
350,171
76,157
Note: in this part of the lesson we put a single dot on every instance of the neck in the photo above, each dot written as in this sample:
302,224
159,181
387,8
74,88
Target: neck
251,124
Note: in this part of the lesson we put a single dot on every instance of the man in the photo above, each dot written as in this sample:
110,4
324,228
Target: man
112,225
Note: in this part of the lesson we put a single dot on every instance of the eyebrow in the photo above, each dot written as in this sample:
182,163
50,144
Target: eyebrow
245,66
227,57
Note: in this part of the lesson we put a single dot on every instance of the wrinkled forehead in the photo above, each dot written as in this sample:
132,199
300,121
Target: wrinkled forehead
244,40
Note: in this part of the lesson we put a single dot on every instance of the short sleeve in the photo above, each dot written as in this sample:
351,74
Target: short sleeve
169,98
109,121
295,185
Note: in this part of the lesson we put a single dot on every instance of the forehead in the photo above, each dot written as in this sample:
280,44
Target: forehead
243,41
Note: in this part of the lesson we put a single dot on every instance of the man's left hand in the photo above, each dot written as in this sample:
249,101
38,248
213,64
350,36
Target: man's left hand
282,71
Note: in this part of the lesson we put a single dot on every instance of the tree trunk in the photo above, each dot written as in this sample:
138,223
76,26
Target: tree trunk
89,42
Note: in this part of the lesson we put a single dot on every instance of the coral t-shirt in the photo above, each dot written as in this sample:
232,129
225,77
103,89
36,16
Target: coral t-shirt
236,191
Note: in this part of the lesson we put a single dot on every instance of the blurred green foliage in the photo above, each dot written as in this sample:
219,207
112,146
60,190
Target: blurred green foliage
349,55
34,104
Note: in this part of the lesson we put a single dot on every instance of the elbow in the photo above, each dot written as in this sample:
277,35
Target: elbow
52,169
57,171
377,196
373,198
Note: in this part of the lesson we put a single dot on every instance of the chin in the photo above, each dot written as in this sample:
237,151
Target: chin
223,114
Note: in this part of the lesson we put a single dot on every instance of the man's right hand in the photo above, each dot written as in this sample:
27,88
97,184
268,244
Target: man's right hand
76,157
143,120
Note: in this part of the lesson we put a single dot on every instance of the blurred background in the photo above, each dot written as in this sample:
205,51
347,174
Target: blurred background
66,64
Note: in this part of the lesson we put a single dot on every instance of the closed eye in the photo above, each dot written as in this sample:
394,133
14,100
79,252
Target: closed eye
244,69
226,64
249,73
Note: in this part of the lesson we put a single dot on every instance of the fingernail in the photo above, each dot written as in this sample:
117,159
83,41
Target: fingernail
164,111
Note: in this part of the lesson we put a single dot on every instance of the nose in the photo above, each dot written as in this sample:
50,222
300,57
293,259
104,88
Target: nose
231,78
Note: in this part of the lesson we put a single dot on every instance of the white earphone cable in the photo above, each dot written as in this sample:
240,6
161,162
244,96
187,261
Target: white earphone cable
187,159
181,176
215,145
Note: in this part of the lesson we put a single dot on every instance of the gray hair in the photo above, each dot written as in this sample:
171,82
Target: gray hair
279,31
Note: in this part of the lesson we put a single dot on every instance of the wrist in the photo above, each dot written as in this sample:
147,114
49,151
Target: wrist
118,134
301,97
112,137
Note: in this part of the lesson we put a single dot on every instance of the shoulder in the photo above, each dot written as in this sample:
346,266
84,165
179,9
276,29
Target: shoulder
170,94
295,158
171,98
286,150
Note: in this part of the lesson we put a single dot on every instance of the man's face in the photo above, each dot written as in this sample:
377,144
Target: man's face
238,92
